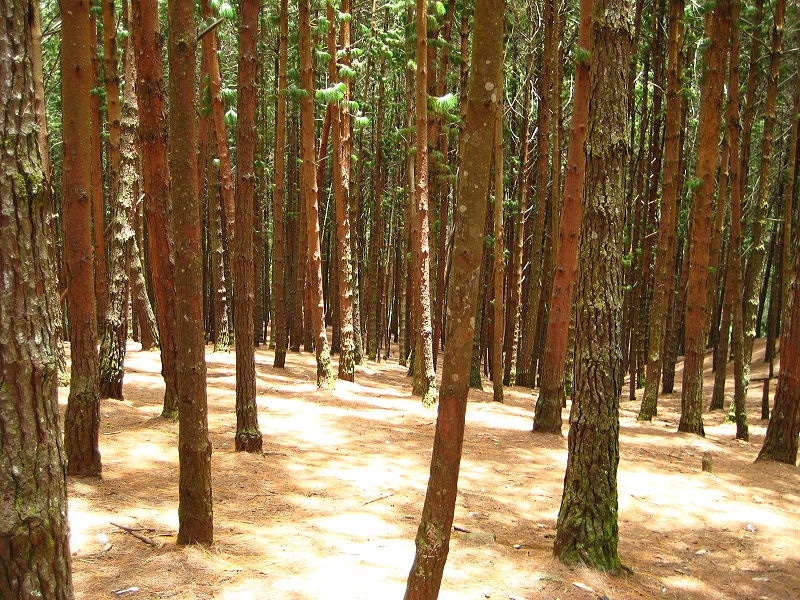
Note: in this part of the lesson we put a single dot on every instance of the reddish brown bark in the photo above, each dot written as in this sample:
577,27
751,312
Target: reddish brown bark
83,418
148,43
547,417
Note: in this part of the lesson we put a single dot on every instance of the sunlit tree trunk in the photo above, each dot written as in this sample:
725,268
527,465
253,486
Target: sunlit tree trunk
195,515
498,325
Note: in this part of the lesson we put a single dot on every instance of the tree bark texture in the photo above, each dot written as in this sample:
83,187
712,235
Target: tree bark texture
150,92
433,536
697,308
121,241
34,542
424,376
248,435
82,421
195,515
587,530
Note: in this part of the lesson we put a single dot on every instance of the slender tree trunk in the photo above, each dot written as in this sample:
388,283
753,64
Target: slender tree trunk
121,241
433,536
195,514
280,240
97,193
82,423
697,309
309,193
788,205
248,435
34,533
148,43
547,417
424,376
587,521
664,269
498,326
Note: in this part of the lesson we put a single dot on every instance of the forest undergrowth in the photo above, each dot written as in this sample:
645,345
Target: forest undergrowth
329,510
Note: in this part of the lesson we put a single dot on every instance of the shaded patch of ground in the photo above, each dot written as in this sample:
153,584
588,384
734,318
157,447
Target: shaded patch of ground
330,509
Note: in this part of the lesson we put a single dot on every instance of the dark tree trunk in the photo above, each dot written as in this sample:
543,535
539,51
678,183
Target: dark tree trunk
34,541
484,98
195,513
587,521
280,240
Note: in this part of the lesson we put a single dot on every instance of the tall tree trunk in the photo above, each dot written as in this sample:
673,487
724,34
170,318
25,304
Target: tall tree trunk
340,124
82,423
498,326
433,536
280,239
587,521
195,514
151,98
97,194
248,435
309,194
121,241
697,309
34,533
113,108
424,375
547,417
664,269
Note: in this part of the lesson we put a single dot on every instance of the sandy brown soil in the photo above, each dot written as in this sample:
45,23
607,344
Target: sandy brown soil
330,510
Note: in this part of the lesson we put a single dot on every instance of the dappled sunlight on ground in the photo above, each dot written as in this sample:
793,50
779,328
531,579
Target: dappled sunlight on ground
329,510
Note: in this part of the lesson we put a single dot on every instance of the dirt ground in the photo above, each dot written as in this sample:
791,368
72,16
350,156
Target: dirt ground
330,509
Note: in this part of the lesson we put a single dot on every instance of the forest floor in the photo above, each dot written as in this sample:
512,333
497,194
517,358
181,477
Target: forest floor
331,507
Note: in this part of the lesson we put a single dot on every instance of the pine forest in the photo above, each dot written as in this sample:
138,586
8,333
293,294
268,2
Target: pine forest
349,299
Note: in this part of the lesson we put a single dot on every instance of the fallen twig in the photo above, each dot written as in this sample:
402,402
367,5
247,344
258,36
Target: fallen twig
136,534
383,497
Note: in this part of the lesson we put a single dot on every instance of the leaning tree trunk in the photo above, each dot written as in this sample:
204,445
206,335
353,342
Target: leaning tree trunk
34,540
587,521
195,515
82,423
433,535
248,435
